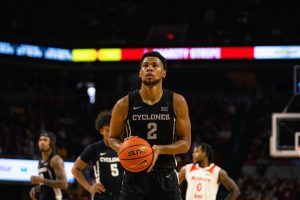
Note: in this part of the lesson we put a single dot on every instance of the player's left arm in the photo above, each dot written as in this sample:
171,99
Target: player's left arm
229,184
61,182
183,130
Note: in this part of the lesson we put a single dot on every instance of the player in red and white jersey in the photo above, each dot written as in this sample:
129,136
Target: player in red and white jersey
203,177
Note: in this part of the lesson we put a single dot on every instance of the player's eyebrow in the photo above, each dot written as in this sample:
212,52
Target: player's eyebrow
149,62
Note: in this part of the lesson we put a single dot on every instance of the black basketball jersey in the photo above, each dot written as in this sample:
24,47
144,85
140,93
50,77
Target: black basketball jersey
46,171
106,165
154,123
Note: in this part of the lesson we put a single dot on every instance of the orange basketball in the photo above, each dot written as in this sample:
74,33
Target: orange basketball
135,154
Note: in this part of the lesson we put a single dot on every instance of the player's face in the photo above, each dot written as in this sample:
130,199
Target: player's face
198,155
195,154
105,132
152,71
44,143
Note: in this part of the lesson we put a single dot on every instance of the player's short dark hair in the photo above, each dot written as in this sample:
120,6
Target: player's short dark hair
103,119
155,54
208,150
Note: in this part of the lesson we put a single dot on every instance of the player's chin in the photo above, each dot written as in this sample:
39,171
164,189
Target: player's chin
43,149
151,82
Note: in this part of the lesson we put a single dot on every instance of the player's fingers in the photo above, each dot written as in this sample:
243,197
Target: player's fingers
152,164
150,168
99,190
155,156
100,187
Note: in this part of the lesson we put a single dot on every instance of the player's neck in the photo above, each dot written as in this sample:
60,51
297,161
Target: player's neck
205,163
45,155
151,95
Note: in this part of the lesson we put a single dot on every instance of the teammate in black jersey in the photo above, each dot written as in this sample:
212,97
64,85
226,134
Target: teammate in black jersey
107,168
52,176
161,117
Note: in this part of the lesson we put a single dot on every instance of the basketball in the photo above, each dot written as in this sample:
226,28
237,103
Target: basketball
135,154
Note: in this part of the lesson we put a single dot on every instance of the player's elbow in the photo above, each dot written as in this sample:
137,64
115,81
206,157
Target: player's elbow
114,143
111,141
73,171
187,146
235,193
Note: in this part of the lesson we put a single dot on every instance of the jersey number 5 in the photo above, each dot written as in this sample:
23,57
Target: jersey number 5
152,127
114,169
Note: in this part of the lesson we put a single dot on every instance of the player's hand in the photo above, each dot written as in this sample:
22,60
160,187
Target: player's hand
97,187
36,179
156,152
32,194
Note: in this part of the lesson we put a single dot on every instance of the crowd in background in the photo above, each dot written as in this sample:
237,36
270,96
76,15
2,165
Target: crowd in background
123,23
233,117
229,109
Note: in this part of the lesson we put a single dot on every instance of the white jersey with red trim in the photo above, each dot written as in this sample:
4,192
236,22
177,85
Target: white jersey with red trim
202,182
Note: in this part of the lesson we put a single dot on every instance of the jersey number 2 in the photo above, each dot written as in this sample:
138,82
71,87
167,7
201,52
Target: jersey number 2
152,127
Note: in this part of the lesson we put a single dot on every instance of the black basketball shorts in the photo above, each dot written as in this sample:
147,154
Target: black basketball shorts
158,185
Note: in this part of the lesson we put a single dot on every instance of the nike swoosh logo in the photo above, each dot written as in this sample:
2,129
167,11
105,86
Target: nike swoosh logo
135,108
102,154
144,162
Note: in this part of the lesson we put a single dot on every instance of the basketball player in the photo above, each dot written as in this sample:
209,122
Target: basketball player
203,176
159,116
52,176
107,168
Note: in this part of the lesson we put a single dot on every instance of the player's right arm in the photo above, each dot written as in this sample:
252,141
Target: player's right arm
181,175
77,171
57,163
229,184
117,123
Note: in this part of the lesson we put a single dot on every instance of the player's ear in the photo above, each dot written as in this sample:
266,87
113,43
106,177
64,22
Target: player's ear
165,73
140,73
